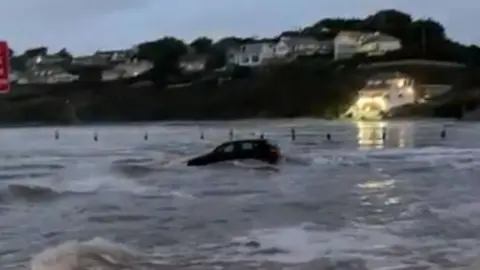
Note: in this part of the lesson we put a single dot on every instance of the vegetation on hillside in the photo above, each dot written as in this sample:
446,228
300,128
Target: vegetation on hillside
305,87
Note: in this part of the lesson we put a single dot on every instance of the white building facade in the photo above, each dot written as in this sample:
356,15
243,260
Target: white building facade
251,54
348,43
382,93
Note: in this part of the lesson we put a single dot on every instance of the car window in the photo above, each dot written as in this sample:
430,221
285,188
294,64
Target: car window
225,148
247,146
273,144
228,148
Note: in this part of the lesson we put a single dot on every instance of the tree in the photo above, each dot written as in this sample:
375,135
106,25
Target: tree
202,45
64,53
336,25
219,50
18,63
428,37
390,21
164,53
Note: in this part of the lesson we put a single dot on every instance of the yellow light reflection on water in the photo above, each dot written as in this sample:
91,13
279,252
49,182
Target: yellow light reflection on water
370,134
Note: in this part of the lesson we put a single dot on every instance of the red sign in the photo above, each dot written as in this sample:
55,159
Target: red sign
4,67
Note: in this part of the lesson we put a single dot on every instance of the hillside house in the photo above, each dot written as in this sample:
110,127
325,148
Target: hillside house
295,46
48,74
379,44
45,60
348,43
46,69
132,68
193,62
251,54
89,60
115,56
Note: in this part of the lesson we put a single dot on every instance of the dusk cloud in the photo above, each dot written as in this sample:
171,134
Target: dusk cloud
83,26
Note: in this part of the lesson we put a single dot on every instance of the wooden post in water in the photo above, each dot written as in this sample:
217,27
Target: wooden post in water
231,134
293,134
95,136
57,134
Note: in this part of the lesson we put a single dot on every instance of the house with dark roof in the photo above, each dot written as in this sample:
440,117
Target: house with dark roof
193,62
302,45
348,43
251,54
115,55
379,44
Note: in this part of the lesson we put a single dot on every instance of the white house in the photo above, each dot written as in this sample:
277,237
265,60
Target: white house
382,93
193,62
129,69
379,44
45,60
48,74
115,55
251,54
89,60
295,46
133,68
348,43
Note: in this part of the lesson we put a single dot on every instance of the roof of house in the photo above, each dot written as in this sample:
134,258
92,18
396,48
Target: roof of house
113,51
111,54
250,48
352,34
293,41
378,37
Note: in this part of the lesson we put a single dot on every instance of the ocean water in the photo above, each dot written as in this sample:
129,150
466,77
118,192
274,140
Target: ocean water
411,201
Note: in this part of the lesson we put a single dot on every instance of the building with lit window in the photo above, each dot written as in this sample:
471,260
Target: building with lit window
381,93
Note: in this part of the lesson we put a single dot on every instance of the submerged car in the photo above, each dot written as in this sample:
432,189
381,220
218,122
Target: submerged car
258,149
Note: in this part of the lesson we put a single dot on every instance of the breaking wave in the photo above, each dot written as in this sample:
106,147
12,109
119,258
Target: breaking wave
97,253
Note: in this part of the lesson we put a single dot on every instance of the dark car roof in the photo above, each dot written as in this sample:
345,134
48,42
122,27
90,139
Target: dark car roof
260,141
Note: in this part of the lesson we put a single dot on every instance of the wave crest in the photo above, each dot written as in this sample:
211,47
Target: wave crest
97,253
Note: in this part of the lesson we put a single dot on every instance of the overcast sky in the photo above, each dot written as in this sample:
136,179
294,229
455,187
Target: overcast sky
86,25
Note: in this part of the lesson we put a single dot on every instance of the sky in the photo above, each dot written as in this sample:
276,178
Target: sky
83,26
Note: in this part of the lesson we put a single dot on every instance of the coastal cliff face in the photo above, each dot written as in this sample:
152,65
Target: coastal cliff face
303,89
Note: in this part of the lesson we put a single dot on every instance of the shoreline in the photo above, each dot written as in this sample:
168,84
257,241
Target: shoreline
186,122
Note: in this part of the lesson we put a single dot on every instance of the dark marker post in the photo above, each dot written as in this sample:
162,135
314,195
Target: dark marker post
95,136
443,133
202,135
145,136
384,133
230,134
57,135
328,137
293,134
262,136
